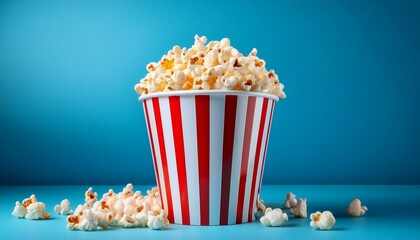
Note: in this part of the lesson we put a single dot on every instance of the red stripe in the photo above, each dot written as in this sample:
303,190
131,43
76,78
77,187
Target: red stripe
245,155
257,158
156,109
202,110
175,106
228,137
265,148
153,149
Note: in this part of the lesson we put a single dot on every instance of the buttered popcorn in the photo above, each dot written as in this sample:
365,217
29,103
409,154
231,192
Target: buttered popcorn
215,66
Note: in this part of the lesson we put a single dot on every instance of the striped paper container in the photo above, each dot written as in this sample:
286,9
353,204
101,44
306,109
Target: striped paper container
209,151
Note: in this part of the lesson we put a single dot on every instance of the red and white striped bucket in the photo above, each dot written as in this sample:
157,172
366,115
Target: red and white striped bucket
209,150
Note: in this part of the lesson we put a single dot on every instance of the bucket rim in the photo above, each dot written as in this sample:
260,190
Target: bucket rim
207,92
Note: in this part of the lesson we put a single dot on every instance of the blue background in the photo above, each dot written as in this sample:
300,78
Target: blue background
69,114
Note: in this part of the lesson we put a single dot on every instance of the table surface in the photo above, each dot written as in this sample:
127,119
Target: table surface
394,211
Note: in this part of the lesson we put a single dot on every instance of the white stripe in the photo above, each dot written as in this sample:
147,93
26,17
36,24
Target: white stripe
251,157
189,129
217,114
265,140
237,156
150,139
257,179
165,112
157,152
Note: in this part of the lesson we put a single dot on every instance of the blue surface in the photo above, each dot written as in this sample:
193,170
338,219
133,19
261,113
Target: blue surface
67,71
393,213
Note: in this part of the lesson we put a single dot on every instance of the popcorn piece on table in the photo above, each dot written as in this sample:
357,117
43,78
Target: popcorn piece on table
127,221
105,219
63,208
323,221
74,220
89,221
19,211
30,208
127,191
356,209
141,219
300,210
260,205
290,201
36,211
90,197
157,219
273,217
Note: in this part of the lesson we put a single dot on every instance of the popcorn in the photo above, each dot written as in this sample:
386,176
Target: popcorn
194,68
127,191
90,197
36,210
273,217
141,219
30,208
63,208
290,201
19,211
356,209
127,221
157,219
300,210
260,206
323,221
105,219
28,201
126,209
89,221
73,221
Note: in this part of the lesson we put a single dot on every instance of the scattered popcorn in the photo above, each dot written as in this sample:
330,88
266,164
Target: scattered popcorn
216,65
19,211
273,217
356,209
290,201
36,211
63,208
157,219
30,208
323,221
126,209
300,210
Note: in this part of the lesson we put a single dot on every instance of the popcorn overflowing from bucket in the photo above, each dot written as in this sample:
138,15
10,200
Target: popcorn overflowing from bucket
215,66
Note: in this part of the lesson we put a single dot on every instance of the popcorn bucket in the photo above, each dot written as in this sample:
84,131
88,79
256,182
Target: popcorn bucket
209,150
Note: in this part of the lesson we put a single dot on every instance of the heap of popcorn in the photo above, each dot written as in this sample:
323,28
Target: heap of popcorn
127,209
215,66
